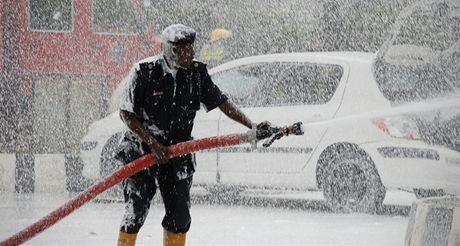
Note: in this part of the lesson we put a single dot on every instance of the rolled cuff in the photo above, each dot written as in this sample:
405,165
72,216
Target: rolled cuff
210,107
127,107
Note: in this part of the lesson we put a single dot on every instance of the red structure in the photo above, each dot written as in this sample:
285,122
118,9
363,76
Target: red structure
62,59
81,46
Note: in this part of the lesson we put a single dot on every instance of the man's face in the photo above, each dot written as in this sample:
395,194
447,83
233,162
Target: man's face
185,54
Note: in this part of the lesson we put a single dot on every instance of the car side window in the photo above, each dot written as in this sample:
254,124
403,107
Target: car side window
307,83
280,83
239,84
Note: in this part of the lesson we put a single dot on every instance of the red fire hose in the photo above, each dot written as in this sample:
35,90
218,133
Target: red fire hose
136,166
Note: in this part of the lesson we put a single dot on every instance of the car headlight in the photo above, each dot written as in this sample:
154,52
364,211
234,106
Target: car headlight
88,145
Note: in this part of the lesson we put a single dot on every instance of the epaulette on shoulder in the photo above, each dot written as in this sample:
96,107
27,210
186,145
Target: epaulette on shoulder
149,66
199,65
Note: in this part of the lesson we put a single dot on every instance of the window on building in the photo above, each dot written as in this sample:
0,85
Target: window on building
51,15
114,16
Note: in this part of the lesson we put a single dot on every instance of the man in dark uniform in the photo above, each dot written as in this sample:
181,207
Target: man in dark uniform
159,105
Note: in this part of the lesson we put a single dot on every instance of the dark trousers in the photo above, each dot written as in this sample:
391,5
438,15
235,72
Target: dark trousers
139,191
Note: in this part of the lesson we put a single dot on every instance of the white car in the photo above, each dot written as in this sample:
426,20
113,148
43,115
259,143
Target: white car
356,144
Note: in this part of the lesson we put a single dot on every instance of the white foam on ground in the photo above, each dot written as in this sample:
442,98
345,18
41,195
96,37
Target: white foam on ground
98,224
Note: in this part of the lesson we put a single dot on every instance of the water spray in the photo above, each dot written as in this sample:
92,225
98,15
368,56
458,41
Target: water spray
420,107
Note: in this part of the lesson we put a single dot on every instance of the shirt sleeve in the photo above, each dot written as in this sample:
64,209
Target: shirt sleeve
212,97
127,96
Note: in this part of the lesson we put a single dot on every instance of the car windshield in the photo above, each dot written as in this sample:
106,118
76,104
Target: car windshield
402,84
437,29
280,83
422,60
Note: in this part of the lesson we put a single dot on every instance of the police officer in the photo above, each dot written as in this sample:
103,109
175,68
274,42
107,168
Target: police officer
159,105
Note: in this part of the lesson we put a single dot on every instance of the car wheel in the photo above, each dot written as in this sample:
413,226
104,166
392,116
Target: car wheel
350,181
109,164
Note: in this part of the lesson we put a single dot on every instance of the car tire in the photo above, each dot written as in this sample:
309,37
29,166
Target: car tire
109,164
350,181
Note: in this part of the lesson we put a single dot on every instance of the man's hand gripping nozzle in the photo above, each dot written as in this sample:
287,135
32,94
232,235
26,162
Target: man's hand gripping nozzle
265,130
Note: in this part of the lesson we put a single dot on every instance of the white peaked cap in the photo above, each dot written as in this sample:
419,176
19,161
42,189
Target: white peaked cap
178,34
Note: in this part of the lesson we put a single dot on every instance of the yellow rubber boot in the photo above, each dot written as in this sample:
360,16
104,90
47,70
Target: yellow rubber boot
127,239
173,239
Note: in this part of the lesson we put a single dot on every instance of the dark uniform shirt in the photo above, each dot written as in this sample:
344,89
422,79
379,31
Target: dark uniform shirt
166,105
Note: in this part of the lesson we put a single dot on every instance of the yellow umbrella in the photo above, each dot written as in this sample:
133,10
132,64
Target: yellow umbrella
219,33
